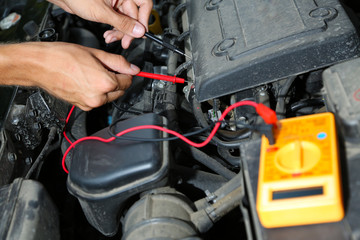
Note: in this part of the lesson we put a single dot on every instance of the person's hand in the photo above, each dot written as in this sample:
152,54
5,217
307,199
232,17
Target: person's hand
82,76
128,17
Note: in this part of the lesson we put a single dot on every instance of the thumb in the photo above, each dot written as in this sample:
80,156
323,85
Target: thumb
125,24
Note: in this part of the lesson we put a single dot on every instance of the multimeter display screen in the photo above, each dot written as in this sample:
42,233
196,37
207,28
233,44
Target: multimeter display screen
294,193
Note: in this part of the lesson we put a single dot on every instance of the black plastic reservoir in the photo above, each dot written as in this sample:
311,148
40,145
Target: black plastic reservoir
103,176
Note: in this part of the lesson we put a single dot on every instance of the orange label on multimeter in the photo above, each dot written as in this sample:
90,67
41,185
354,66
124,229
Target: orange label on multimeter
299,180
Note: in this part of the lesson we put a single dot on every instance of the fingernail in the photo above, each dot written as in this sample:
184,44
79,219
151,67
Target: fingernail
113,39
106,34
138,30
107,39
135,68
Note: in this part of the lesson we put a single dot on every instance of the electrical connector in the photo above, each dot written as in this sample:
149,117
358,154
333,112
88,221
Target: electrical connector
267,114
268,131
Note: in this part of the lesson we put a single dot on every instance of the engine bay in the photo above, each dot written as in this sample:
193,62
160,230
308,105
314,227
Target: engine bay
150,164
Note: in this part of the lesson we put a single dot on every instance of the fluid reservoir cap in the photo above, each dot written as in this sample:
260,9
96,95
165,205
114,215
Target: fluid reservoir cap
9,21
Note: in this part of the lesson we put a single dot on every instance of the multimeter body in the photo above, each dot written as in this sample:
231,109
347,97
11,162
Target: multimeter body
299,176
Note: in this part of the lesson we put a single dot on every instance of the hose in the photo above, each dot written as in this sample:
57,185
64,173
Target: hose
184,66
224,153
175,13
173,57
43,152
211,163
182,36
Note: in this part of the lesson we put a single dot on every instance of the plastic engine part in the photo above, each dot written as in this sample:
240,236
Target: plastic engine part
343,96
258,42
27,212
161,214
104,175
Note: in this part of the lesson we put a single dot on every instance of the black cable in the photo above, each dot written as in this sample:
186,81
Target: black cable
181,7
202,130
182,36
126,110
43,153
258,128
306,103
156,139
280,106
184,66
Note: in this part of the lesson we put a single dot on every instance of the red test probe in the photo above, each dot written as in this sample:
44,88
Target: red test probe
167,78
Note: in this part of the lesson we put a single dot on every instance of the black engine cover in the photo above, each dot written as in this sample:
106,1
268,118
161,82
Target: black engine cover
241,44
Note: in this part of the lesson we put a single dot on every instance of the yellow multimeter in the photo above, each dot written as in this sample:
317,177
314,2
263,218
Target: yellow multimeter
299,176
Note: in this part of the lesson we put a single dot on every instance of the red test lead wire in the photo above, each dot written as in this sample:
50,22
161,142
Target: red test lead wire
167,78
66,122
266,113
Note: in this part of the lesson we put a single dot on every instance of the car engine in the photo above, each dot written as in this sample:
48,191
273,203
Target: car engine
118,172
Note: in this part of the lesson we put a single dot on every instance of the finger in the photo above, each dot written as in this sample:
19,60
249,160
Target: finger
85,109
108,32
124,81
112,96
126,41
95,101
144,11
114,62
130,9
113,36
82,106
124,23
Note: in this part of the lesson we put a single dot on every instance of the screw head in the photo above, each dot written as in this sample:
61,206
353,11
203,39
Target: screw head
12,157
37,126
17,136
28,161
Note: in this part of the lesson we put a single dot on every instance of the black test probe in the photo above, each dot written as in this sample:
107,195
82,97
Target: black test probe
165,44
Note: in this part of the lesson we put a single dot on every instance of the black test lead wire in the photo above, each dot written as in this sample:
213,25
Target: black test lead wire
165,44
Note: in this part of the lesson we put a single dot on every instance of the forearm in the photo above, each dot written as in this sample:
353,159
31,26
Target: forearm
61,4
18,64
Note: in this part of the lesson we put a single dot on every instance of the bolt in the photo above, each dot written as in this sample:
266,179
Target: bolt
37,126
15,121
12,157
32,113
243,120
210,197
28,161
180,181
17,136
186,89
160,85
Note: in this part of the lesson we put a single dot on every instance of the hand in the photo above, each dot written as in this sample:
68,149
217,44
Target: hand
128,17
79,75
